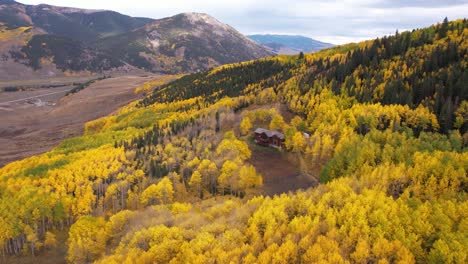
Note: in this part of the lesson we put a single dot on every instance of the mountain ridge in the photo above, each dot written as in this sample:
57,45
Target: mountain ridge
76,23
289,44
185,42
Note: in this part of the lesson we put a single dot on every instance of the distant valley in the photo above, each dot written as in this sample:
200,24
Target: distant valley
289,44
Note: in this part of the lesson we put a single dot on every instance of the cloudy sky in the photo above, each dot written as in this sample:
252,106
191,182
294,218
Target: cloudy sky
335,21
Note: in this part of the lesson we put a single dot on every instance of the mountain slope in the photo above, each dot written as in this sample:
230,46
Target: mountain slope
46,41
288,44
83,25
26,52
182,43
383,124
99,40
79,24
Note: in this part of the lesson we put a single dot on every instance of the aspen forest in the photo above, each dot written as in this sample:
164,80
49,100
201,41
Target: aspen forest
381,126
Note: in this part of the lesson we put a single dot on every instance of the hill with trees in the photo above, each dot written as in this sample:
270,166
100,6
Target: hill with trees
382,124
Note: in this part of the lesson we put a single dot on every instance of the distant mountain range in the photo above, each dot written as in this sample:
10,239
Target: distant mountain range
287,44
44,40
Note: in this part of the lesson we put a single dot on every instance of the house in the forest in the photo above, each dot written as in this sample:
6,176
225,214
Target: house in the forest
269,138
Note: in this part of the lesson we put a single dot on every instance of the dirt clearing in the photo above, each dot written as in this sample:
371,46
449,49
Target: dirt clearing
280,175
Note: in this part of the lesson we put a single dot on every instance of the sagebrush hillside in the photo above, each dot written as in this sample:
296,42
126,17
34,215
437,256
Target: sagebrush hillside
382,124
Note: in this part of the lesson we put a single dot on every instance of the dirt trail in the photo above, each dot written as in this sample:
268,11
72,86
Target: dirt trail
31,97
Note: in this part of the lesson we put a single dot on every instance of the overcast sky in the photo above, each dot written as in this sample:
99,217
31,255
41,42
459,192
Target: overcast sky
335,21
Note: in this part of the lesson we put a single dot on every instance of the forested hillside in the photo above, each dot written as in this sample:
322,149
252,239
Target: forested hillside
170,178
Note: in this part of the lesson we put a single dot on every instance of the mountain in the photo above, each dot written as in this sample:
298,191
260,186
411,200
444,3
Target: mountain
288,44
183,43
372,169
79,24
39,41
44,40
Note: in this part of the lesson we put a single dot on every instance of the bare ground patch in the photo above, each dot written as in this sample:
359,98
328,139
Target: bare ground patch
280,173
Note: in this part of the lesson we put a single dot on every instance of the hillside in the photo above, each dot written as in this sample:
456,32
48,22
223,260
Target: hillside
183,43
175,177
64,40
290,45
49,41
79,24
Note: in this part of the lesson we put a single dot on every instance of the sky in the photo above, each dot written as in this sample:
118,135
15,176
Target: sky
334,21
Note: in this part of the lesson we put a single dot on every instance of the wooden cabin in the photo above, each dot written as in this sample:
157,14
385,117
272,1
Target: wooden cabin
269,138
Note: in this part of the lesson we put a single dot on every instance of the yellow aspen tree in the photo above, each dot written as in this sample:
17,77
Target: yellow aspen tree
362,252
32,238
245,125
227,177
195,182
87,240
50,240
277,122
248,178
165,191
148,196
298,142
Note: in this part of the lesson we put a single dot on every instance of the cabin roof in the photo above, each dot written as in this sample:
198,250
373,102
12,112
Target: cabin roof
269,133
